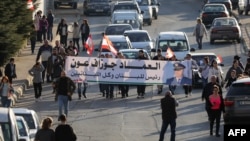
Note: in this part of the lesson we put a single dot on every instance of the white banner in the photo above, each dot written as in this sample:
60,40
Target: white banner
129,71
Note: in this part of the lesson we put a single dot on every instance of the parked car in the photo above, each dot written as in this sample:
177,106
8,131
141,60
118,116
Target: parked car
176,40
237,102
211,11
117,29
9,125
97,7
227,3
226,28
32,119
155,8
23,128
198,57
72,3
140,39
130,13
134,53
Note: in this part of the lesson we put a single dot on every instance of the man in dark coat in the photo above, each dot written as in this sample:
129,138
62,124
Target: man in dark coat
169,115
10,70
207,91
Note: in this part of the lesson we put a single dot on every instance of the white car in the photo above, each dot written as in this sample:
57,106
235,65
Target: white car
133,53
23,128
132,13
145,6
176,40
243,6
30,116
140,39
155,8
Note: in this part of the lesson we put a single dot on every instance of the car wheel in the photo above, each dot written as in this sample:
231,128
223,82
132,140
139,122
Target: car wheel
238,40
211,41
75,6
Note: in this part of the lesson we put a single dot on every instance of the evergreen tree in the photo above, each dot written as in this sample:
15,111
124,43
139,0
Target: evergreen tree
15,25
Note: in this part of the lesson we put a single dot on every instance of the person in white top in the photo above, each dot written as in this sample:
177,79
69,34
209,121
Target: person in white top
199,32
76,35
204,69
216,70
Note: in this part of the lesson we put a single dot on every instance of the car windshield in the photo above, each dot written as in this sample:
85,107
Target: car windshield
28,118
125,7
217,1
21,128
117,30
138,37
133,23
142,2
239,89
175,45
96,1
199,58
118,46
132,54
6,131
224,22
214,9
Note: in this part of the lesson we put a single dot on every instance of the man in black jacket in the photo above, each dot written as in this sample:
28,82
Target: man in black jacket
207,91
169,115
10,70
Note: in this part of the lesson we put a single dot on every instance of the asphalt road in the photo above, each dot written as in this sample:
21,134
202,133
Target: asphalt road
132,119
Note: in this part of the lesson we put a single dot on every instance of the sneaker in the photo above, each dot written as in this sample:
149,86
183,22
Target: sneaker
138,97
186,95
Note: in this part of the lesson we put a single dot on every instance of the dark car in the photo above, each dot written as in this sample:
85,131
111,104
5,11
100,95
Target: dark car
97,7
198,57
237,102
117,29
227,3
226,28
72,3
211,11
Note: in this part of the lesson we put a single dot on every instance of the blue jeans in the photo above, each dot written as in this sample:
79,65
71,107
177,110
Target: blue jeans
204,81
63,102
5,101
164,128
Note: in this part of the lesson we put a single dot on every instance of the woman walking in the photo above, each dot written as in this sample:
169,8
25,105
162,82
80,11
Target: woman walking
45,133
6,91
76,35
36,72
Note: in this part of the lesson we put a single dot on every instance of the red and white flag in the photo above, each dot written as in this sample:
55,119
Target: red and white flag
169,53
89,45
107,44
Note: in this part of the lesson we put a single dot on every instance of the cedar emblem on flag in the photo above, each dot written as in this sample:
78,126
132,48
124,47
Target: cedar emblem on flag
107,44
89,45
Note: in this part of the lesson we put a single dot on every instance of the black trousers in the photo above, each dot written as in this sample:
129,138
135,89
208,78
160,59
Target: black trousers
124,89
44,71
81,88
187,89
76,43
37,89
63,40
141,90
215,115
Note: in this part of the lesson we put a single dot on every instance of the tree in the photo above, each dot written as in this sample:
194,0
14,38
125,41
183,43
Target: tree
15,25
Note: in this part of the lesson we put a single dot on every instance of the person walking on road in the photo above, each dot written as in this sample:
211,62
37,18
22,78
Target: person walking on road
6,91
33,38
50,19
169,115
43,28
10,70
36,72
199,31
85,30
45,133
76,35
141,88
44,52
216,105
64,132
64,88
207,91
62,30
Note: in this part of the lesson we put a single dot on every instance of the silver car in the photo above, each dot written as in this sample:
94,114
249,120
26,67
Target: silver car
140,39
131,13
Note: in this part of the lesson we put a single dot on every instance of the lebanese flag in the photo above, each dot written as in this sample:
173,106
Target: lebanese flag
107,44
89,45
169,53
